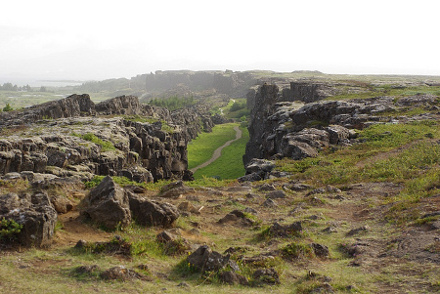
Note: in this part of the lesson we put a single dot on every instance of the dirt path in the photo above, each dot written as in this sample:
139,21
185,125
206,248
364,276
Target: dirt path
218,152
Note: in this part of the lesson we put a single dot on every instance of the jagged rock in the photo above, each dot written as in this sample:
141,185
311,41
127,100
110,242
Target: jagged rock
266,276
235,216
120,105
320,250
277,230
269,203
108,205
206,260
36,215
257,170
276,194
61,203
74,105
338,134
152,213
267,187
174,244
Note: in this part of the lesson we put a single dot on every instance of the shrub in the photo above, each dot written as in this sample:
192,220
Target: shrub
8,108
9,230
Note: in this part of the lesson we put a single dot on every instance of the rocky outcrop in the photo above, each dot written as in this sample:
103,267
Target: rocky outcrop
285,129
108,205
34,213
74,105
120,105
265,100
193,120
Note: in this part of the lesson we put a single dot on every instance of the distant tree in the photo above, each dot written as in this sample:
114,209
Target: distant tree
27,88
8,87
8,108
43,89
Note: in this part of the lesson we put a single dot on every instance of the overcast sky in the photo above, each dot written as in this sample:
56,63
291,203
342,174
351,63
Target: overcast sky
95,39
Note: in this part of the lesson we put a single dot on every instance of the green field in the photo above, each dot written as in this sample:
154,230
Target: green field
202,148
230,164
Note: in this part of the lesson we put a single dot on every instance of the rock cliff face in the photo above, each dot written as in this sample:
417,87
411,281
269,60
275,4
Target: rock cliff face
280,128
75,105
79,142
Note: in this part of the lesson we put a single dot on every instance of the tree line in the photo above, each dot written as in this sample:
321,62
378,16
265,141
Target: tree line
15,88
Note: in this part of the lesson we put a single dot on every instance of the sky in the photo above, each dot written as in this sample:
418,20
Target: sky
95,40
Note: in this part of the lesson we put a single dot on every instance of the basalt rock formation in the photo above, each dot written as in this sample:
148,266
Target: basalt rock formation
282,127
75,137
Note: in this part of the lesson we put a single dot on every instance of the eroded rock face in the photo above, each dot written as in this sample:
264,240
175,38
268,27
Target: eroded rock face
108,205
74,105
120,105
280,127
36,215
77,142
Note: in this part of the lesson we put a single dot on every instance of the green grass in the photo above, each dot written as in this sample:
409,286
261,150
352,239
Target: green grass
201,149
230,164
105,145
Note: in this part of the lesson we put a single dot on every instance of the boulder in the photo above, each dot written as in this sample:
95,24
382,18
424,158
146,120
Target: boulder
36,215
108,205
338,134
206,260
152,213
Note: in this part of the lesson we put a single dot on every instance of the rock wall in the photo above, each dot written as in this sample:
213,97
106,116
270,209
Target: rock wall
283,129
259,126
78,142
74,105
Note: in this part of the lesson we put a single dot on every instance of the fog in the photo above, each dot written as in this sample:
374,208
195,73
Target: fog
85,40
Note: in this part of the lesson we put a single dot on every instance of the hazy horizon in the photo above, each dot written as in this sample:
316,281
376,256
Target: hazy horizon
96,40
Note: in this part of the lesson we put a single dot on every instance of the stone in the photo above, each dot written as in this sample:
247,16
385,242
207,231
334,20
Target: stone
266,276
320,250
108,205
276,194
35,213
269,203
267,187
206,260
337,134
277,230
152,213
61,204
121,273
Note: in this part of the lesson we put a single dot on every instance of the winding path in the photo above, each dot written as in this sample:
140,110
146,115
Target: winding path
218,152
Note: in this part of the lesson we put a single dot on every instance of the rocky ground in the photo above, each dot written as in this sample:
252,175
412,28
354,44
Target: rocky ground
342,198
